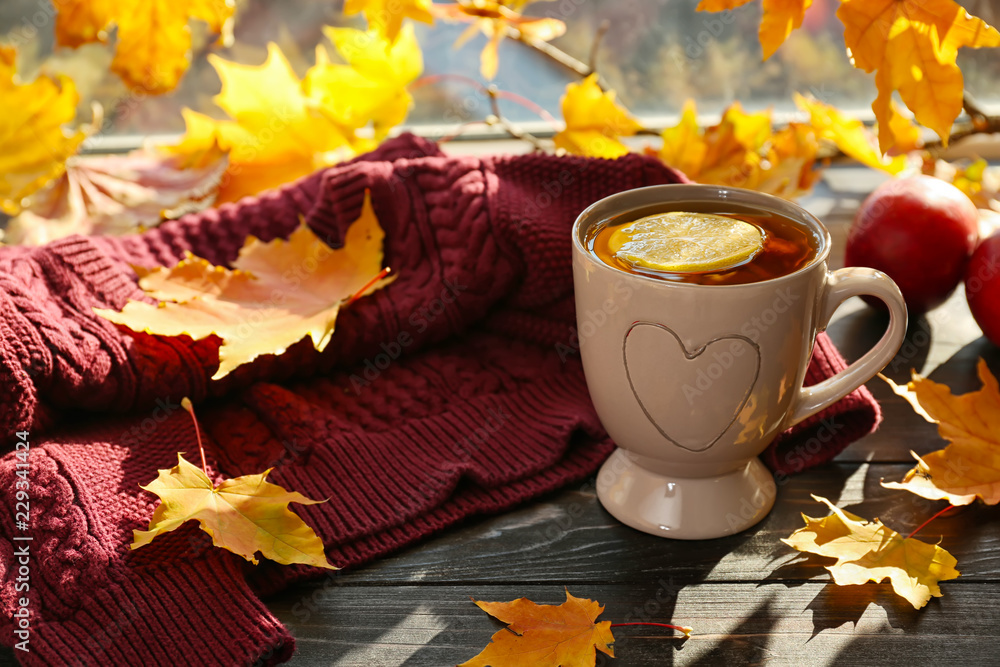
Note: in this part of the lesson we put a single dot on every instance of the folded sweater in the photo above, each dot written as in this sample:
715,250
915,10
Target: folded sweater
448,394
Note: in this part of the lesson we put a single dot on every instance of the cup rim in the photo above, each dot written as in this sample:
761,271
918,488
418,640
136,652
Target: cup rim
698,191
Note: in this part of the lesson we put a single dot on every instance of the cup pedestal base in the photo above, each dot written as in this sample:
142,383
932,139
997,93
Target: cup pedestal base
685,508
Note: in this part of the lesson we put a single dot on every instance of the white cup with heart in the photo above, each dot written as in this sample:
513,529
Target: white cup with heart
691,380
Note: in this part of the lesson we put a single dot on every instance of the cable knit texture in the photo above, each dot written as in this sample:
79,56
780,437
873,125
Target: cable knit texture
440,397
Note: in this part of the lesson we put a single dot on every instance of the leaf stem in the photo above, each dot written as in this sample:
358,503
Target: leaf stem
921,526
361,292
679,628
186,404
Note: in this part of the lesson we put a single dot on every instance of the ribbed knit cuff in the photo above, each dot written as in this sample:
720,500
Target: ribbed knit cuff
106,278
821,437
194,613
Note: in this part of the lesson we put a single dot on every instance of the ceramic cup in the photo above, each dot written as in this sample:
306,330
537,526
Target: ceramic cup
692,382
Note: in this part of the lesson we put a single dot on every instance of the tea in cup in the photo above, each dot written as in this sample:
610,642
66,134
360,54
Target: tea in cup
712,298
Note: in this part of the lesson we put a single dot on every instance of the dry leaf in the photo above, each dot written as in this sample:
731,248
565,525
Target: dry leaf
386,16
850,135
870,551
278,293
969,467
742,150
493,19
780,18
545,635
283,128
912,46
118,194
154,40
245,515
594,121
33,144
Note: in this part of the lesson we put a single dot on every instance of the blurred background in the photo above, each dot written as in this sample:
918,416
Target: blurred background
655,54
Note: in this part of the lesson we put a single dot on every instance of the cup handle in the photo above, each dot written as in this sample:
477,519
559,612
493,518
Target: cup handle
842,284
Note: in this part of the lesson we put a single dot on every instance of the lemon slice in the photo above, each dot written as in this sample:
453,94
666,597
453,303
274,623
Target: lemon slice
680,242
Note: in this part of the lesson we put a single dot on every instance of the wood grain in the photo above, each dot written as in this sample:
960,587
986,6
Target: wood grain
809,623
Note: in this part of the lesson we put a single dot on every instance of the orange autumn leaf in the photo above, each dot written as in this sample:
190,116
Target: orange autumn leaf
743,150
494,18
565,635
969,467
594,121
911,47
870,551
849,135
245,515
277,293
34,145
154,40
780,18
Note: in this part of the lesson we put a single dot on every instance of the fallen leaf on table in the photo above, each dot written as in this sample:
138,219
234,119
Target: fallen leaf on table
278,293
118,194
245,515
870,551
386,16
779,19
33,144
911,47
545,635
282,128
594,121
153,38
743,150
969,467
493,19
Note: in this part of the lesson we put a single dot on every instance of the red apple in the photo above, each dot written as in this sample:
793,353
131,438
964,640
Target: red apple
982,287
920,231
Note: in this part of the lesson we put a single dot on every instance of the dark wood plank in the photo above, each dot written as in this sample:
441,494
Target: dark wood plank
570,538
735,624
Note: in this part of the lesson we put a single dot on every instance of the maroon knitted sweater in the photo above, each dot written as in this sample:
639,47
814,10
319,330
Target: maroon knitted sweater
452,392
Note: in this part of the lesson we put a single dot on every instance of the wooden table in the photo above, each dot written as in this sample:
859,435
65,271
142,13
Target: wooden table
749,598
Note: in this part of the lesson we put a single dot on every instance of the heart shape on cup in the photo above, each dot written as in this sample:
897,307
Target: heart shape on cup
696,395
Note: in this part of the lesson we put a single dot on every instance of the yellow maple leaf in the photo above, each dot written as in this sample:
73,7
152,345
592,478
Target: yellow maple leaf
969,467
870,551
278,293
849,134
283,128
742,150
683,147
245,515
780,18
34,145
386,16
545,635
912,47
154,40
371,87
494,19
594,121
